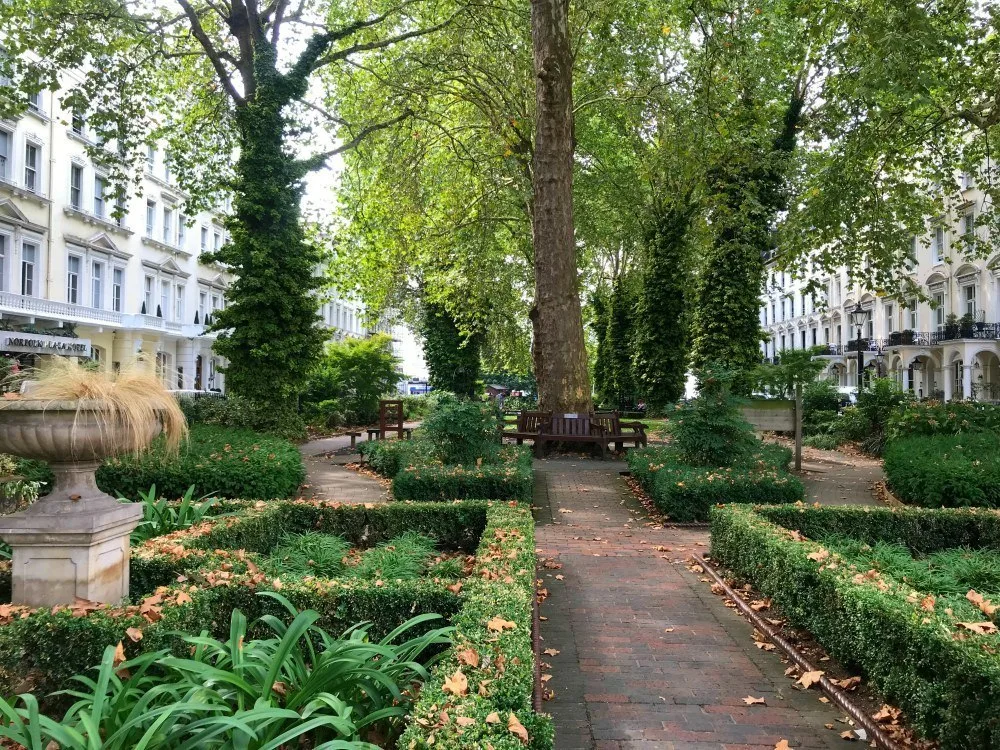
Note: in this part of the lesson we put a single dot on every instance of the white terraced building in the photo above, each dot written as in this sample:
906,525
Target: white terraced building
122,286
946,346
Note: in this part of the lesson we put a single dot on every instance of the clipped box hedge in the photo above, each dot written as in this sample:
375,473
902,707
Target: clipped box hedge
687,493
943,675
191,581
945,470
507,475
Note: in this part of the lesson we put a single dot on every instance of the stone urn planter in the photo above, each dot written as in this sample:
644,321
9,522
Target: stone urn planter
73,543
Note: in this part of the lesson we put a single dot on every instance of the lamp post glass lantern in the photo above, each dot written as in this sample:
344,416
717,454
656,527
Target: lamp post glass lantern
859,316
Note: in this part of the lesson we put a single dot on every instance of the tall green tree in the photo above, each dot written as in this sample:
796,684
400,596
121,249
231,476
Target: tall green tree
620,386
214,77
452,355
599,313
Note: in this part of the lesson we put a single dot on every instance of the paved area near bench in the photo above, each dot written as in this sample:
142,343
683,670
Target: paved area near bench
327,479
648,657
838,478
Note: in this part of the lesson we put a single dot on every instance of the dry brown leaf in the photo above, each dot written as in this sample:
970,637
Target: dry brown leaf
819,555
982,628
782,745
493,718
849,683
464,721
456,684
468,657
551,652
849,735
809,679
119,654
135,634
498,625
516,728
985,606
751,701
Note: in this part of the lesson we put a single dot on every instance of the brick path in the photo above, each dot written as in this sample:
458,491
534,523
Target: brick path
327,479
621,682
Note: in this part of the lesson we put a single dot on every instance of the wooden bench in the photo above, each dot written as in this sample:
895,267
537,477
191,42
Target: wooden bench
620,432
528,424
375,433
354,437
571,428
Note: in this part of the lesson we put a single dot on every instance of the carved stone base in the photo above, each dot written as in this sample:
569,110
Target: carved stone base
72,544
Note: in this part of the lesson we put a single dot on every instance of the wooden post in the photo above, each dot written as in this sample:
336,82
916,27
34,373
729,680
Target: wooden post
798,426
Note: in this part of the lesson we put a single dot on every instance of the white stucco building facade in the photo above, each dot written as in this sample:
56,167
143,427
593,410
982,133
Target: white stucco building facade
943,342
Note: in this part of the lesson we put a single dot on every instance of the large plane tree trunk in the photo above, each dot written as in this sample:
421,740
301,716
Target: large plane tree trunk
559,354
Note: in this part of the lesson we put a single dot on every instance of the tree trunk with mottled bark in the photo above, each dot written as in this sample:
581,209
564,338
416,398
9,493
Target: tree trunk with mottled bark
559,354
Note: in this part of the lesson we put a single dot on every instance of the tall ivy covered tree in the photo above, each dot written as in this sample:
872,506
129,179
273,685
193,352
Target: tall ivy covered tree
214,78
598,322
661,317
452,357
620,387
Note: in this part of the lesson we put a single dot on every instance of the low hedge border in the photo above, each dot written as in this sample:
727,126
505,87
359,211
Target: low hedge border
686,493
415,476
944,676
493,650
196,577
945,470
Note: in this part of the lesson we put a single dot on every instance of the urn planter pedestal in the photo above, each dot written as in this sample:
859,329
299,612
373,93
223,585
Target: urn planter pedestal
73,543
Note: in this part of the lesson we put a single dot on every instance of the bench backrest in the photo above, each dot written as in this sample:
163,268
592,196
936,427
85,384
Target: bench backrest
531,421
610,421
562,425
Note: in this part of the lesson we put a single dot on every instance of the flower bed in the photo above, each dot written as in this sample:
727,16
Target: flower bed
216,460
192,580
505,475
839,573
686,493
945,470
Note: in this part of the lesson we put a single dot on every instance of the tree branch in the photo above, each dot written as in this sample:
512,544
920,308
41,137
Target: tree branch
304,166
382,43
210,51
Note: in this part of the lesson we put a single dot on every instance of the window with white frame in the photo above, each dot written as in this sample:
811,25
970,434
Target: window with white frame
216,302
163,309
782,342
35,101
150,218
939,310
969,223
6,161
4,254
911,261
117,288
202,306
914,317
826,334
204,239
97,284
803,332
100,188
76,186
120,210
73,264
815,335
147,299
179,303
937,246
32,164
166,165
871,325
216,240
78,123
29,257
890,323
150,158
168,225
967,180
969,299
840,335
181,230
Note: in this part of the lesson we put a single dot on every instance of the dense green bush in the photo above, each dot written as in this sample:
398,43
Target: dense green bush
952,418
349,379
913,649
687,493
215,460
387,457
237,413
711,430
507,475
826,442
945,470
868,421
820,407
461,431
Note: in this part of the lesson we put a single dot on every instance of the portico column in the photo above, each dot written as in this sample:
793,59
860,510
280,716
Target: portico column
185,363
966,381
906,379
949,375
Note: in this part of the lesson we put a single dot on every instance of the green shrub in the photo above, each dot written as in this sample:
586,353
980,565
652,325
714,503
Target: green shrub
951,418
507,476
711,431
162,516
819,396
686,493
416,406
215,460
868,421
387,457
823,442
945,470
239,414
911,648
461,431
311,553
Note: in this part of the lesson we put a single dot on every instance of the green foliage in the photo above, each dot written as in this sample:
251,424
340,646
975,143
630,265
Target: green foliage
506,476
942,675
620,384
404,557
824,442
598,319
452,356
352,374
416,407
509,536
711,431
311,553
686,493
797,367
952,418
239,413
298,683
387,457
945,470
161,516
213,460
868,421
820,408
660,337
461,432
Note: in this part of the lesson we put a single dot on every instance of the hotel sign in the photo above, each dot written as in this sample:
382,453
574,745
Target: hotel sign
34,343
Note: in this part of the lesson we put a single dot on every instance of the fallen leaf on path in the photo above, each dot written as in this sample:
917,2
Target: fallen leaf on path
751,701
808,679
456,684
551,652
516,728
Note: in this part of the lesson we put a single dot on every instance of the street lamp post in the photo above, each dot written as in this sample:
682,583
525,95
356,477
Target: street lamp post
859,316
